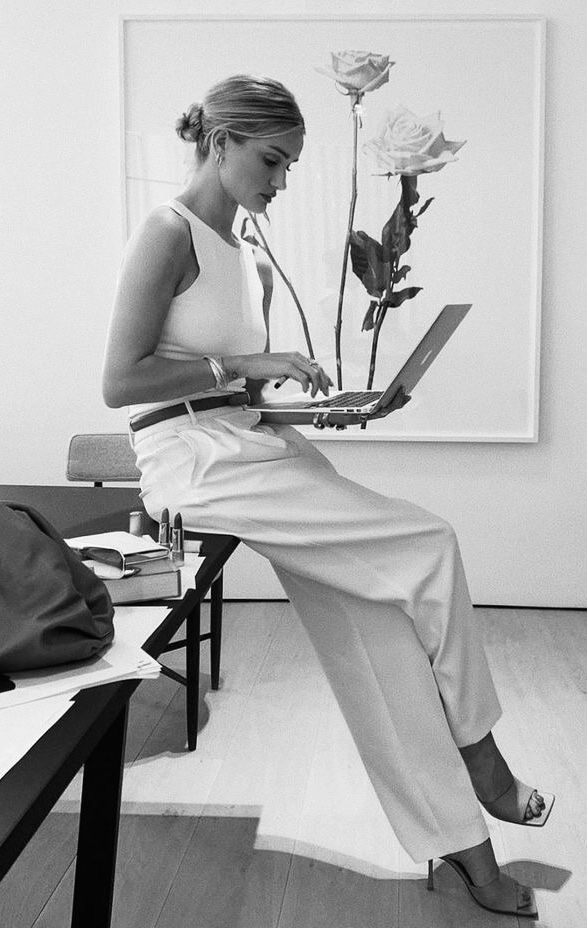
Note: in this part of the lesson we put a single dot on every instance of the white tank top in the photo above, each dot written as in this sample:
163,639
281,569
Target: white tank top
221,313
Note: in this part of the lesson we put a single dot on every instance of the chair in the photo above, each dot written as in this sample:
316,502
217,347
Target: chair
103,457
108,457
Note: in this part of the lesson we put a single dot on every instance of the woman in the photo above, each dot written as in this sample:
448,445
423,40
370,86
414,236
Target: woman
378,583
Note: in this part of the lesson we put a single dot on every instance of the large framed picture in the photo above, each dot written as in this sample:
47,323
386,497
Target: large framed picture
478,240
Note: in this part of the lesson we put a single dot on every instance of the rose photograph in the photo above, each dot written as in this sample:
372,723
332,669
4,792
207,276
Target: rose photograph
414,188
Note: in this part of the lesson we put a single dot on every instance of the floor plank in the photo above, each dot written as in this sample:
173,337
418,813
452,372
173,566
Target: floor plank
321,895
266,762
223,881
150,851
35,876
152,848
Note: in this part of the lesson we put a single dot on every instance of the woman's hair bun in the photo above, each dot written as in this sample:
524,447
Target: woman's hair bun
189,125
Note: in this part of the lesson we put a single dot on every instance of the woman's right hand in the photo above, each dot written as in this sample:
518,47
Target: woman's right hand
275,365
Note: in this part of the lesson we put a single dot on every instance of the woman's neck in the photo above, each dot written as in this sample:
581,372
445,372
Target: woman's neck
206,198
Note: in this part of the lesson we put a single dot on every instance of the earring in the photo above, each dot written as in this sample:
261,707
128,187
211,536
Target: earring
219,158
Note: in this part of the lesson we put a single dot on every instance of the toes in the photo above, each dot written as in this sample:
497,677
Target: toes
524,896
535,806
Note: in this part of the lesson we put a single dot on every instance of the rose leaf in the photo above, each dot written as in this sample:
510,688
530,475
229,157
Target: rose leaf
366,260
368,321
396,232
401,273
400,296
425,207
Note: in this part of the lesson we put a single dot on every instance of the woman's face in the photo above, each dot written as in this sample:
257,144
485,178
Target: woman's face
253,171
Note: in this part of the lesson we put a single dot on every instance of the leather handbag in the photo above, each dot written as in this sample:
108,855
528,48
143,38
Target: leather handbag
53,609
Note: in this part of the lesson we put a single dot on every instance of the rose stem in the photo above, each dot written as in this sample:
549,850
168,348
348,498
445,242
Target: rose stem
381,311
380,316
338,326
275,264
379,319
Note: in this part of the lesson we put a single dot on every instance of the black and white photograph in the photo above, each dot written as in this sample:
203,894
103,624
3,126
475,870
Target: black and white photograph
293,503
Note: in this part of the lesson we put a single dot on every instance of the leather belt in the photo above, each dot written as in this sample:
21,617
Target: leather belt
206,402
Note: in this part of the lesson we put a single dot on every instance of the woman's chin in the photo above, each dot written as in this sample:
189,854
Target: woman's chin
259,206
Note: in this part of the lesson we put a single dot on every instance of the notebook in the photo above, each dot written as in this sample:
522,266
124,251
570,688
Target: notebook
146,584
353,407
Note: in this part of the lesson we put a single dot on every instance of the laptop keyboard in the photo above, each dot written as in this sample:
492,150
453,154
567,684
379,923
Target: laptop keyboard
349,399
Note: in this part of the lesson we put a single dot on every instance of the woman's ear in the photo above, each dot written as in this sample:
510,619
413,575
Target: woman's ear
219,145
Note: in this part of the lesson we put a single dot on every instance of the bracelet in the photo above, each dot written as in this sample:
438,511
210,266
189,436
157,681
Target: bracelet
222,377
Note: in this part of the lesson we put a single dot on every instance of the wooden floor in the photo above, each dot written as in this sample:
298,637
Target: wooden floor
273,823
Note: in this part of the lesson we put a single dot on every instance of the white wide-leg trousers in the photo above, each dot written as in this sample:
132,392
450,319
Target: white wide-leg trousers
380,588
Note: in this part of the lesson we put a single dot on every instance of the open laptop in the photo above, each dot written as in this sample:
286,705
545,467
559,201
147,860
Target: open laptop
353,407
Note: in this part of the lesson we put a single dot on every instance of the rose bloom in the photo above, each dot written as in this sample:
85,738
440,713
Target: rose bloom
358,72
407,144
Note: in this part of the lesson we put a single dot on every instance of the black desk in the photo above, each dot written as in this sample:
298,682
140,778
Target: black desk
92,734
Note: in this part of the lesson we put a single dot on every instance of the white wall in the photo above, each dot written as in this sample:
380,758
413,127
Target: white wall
520,510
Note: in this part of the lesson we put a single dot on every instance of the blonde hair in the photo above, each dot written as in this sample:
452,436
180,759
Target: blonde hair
245,107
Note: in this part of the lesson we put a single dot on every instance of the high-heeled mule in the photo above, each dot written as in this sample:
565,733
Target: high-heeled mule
511,806
526,911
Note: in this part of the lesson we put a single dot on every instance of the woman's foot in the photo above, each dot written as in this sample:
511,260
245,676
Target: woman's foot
491,888
521,804
504,796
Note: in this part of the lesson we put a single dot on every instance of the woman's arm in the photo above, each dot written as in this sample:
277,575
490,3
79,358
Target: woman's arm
155,263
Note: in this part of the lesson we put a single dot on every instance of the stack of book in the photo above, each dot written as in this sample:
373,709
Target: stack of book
134,568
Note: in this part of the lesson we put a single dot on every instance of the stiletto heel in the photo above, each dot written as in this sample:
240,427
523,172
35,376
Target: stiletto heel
528,910
430,881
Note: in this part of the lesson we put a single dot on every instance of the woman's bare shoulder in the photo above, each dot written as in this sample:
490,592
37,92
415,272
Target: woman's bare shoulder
162,239
165,225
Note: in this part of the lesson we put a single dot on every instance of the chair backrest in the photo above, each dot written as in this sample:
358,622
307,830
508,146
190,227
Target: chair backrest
101,457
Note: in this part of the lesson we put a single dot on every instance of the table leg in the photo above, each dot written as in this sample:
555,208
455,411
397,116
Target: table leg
216,594
98,829
192,674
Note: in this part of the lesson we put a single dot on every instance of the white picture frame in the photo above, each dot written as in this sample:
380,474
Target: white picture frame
480,241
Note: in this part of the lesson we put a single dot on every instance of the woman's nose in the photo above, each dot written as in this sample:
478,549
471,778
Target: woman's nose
279,180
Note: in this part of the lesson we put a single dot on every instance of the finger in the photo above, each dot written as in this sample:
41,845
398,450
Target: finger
316,375
302,377
316,380
308,374
325,381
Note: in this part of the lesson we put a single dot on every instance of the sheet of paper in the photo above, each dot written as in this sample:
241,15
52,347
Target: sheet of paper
22,726
122,660
136,622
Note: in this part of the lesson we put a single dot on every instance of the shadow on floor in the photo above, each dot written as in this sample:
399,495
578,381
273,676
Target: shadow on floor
187,871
